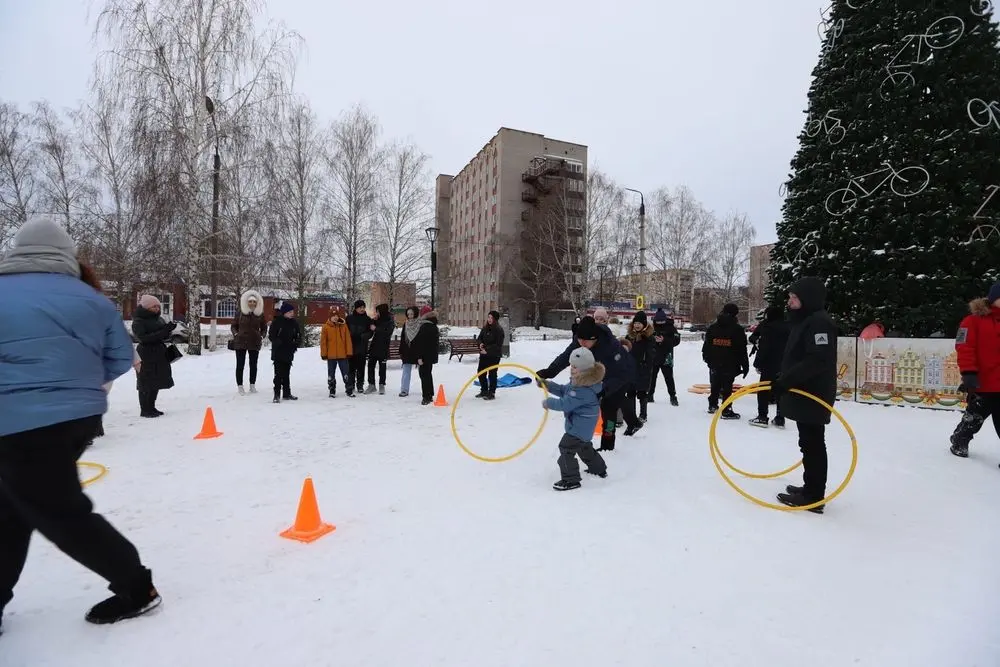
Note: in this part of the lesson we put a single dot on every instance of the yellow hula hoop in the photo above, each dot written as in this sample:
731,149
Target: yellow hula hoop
101,472
522,450
745,391
717,453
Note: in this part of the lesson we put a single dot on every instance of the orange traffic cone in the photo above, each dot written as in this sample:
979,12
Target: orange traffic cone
208,429
599,429
308,526
441,401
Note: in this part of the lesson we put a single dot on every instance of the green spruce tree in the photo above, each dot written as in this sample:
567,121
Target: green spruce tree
894,195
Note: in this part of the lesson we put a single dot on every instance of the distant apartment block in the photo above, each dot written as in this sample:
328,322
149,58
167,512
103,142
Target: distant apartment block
760,260
497,231
671,286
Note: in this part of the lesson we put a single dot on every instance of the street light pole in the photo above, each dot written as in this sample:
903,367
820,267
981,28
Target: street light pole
214,240
642,243
432,235
601,268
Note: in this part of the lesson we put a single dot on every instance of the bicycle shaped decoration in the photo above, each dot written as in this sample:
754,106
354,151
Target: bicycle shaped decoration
984,233
834,133
992,191
981,7
986,112
808,250
939,35
905,182
825,25
783,190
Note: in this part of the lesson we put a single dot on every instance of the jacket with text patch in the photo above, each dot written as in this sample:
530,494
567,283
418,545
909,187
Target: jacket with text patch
978,345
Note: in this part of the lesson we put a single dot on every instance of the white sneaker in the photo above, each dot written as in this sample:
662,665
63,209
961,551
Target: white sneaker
241,390
253,389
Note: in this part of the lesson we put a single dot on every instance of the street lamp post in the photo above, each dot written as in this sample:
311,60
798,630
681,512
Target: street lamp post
214,239
642,243
432,235
601,268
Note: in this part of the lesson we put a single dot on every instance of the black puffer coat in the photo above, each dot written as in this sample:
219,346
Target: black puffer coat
153,332
285,335
665,339
725,346
491,337
385,325
643,351
770,337
810,359
361,332
424,346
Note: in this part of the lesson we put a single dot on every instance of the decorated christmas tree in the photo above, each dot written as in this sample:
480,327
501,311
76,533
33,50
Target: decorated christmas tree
894,194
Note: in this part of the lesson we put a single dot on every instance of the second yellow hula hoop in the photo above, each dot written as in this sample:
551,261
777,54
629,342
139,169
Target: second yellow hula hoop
716,453
522,450
101,472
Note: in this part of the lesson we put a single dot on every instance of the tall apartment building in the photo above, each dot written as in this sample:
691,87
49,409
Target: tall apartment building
511,229
672,286
760,260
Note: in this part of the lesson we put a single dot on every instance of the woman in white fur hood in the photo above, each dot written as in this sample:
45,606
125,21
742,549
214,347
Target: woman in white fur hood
249,328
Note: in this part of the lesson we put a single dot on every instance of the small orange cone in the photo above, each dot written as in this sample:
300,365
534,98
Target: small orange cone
599,429
208,429
441,401
308,526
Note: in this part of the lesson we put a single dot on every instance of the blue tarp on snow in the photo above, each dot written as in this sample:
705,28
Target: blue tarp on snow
509,380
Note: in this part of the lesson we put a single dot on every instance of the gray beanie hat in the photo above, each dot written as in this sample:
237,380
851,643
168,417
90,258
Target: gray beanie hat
41,246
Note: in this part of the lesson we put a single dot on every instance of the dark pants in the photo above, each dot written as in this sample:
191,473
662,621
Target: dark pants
722,387
812,444
668,377
283,377
569,448
426,373
628,406
765,398
487,383
241,358
979,408
40,490
610,404
147,400
381,370
332,366
356,371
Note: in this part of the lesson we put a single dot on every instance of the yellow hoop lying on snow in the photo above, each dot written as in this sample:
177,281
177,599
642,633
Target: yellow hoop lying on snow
716,453
522,450
101,472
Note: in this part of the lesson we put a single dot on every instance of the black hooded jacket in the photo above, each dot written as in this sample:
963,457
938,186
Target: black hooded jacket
810,359
770,337
725,346
665,338
491,337
385,326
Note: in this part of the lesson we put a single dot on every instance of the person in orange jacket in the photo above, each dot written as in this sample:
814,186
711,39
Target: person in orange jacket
335,348
978,348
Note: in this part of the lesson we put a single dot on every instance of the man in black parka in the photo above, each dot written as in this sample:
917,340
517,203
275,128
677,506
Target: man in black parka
725,353
809,364
362,328
770,338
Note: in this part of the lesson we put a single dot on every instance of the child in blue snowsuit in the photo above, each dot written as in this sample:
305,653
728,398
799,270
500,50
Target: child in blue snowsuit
580,402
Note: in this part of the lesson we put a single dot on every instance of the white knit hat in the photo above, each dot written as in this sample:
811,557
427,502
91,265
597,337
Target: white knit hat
581,359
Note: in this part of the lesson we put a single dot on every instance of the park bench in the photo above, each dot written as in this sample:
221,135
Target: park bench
394,350
462,346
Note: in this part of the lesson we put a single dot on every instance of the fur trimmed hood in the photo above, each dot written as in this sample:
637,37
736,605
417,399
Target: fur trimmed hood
980,307
245,303
647,332
590,377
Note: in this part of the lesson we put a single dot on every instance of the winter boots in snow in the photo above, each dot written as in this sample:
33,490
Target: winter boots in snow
794,498
126,604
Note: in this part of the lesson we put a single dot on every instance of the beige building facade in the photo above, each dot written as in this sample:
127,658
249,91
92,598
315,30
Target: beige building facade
760,260
489,215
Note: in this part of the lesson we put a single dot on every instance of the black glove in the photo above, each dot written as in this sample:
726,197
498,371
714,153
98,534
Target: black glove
970,382
545,374
777,386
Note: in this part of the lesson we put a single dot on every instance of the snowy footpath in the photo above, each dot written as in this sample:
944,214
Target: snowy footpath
441,560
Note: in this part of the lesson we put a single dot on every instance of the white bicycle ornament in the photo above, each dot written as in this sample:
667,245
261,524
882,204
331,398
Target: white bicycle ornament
941,34
834,133
984,233
905,182
982,7
981,110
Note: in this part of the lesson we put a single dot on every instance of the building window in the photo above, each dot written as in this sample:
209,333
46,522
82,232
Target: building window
227,308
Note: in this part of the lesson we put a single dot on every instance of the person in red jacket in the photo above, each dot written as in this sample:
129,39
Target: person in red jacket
978,348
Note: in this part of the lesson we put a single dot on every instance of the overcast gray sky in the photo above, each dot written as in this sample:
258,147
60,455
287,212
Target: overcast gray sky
664,92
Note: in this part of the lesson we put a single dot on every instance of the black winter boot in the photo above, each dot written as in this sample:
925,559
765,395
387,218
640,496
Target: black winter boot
140,599
277,396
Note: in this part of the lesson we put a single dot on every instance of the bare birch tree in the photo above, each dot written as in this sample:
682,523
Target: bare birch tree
62,184
17,171
296,173
729,267
355,162
173,55
604,199
680,238
405,209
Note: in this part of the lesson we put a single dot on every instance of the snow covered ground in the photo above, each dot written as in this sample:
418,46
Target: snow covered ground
441,560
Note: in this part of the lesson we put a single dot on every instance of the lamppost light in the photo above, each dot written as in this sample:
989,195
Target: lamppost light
432,233
209,105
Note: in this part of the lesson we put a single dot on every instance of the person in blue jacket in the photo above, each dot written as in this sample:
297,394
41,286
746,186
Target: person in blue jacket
579,402
618,365
60,342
